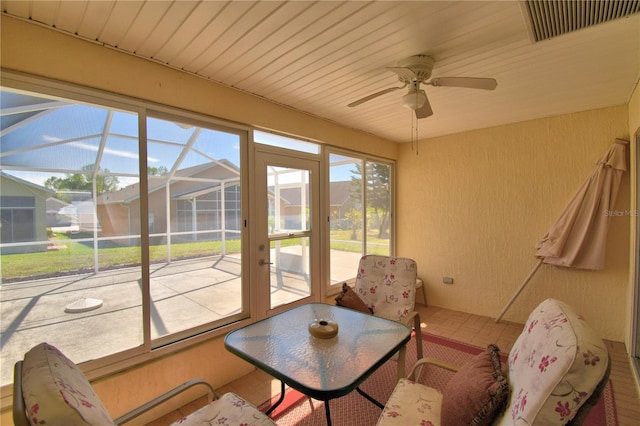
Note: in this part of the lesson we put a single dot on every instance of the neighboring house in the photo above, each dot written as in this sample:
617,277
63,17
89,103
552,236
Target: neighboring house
75,216
340,202
195,204
59,213
290,205
23,211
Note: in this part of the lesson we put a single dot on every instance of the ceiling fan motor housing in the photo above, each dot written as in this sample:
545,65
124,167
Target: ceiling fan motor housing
421,65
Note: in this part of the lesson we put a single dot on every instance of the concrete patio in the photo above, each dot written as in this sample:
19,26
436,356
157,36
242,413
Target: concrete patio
184,294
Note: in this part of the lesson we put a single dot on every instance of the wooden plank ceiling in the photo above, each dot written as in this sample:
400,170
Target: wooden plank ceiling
318,56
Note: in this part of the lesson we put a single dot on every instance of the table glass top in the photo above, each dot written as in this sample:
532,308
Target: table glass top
282,346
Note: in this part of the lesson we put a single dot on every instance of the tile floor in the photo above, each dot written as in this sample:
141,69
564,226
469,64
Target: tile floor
477,330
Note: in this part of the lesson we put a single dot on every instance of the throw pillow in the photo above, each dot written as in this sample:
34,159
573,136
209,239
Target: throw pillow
477,393
350,299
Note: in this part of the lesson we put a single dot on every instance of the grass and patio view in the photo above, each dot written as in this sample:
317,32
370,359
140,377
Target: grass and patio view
201,284
69,255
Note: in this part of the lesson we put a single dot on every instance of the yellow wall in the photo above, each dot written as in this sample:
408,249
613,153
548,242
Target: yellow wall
634,131
485,199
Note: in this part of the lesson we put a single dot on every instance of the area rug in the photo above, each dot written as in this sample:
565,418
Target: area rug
355,410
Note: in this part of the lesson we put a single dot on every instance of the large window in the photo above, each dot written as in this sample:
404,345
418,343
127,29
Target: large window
17,219
360,211
86,260
194,195
124,224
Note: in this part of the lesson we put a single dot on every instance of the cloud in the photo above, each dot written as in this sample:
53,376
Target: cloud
51,138
116,152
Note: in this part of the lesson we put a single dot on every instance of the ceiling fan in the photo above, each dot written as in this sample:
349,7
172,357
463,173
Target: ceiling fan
416,70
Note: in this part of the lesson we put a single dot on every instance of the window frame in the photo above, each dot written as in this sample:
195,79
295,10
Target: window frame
13,210
127,358
335,288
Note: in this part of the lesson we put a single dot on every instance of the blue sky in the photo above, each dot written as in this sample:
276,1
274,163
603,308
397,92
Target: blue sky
53,137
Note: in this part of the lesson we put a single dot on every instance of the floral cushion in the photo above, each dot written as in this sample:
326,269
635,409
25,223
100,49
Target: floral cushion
412,404
229,409
387,285
554,366
56,392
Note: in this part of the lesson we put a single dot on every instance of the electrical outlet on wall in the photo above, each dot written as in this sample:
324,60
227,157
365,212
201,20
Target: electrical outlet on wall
447,280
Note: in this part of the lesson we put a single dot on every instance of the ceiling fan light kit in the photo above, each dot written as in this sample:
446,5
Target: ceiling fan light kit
417,70
414,100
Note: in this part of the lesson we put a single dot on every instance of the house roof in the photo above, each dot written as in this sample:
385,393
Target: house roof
34,186
203,179
549,58
54,205
339,193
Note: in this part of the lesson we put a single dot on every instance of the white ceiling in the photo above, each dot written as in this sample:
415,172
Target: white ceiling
318,56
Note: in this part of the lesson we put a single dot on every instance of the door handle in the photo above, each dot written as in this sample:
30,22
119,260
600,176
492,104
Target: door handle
262,262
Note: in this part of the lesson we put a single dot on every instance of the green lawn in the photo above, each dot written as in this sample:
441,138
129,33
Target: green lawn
74,256
341,240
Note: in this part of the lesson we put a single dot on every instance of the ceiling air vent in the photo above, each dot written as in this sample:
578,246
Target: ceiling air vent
552,18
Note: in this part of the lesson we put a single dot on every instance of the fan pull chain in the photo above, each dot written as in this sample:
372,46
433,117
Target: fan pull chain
413,127
417,121
414,132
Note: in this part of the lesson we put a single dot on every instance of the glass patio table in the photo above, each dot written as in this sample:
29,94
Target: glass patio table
322,369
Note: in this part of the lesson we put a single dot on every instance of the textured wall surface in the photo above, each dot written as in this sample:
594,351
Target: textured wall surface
484,200
634,246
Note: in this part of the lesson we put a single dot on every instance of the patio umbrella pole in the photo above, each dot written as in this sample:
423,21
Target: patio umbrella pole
577,239
522,286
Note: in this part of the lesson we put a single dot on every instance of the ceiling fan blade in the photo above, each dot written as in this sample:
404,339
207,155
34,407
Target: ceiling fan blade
469,82
425,110
375,95
405,74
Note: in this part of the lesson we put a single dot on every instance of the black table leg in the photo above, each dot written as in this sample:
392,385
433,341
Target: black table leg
327,413
369,397
279,401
